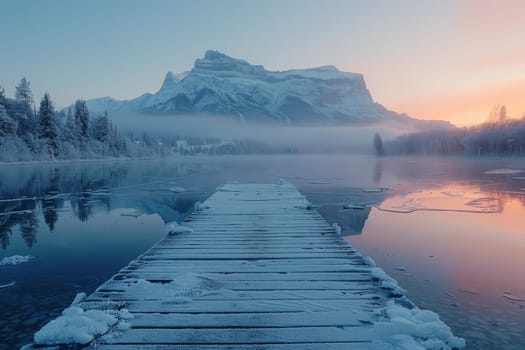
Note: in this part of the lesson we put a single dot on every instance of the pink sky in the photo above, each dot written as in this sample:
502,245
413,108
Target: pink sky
478,61
432,59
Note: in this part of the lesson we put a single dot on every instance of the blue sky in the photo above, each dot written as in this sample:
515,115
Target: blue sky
414,53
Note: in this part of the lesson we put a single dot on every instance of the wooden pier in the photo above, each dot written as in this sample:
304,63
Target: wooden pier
259,270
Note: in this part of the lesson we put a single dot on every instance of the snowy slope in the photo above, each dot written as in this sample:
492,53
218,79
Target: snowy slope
225,85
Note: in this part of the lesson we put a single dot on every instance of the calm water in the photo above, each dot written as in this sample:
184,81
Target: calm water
452,234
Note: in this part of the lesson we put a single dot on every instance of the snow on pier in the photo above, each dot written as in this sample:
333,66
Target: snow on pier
254,267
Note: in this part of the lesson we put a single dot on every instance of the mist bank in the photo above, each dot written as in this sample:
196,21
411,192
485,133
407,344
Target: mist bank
212,129
498,137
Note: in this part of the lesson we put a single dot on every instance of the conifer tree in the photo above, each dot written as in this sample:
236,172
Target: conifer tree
24,114
2,95
7,124
71,132
82,122
378,144
23,93
48,126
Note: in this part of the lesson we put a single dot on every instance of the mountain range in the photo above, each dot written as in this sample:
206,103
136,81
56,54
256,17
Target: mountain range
219,84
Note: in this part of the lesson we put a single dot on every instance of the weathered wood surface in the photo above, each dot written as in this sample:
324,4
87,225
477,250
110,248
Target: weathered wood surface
259,271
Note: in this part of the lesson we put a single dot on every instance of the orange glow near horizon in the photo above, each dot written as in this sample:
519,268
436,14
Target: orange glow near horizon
470,107
457,68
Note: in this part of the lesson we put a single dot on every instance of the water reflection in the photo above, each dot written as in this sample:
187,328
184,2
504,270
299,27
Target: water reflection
84,221
48,193
378,171
458,249
28,193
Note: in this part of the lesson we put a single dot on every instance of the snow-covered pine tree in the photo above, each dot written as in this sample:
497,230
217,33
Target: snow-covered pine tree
82,122
23,92
71,132
24,113
7,124
100,128
48,126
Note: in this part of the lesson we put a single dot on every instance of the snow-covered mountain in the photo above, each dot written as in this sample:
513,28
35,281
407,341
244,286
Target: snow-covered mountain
219,84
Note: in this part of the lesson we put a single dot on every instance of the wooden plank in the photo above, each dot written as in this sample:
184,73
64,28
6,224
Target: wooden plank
244,250
178,304
260,346
245,336
262,285
247,255
240,295
262,276
268,320
354,262
211,268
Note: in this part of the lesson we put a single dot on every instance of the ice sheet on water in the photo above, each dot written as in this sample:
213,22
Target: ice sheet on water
450,199
15,260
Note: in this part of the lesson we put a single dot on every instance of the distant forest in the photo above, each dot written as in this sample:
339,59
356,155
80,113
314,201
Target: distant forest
499,136
28,133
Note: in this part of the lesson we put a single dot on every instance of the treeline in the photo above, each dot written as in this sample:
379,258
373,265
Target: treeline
28,133
500,136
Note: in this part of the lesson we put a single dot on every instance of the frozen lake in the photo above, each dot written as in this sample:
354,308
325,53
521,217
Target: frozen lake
451,231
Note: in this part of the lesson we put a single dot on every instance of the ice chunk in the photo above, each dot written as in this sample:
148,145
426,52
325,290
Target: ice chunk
15,260
370,261
78,299
177,189
131,212
386,281
353,206
373,189
415,329
337,228
7,285
173,228
305,205
199,206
